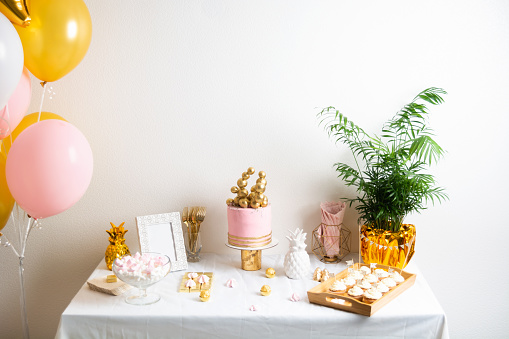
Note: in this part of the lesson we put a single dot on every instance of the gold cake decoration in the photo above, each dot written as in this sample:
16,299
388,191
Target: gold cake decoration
253,199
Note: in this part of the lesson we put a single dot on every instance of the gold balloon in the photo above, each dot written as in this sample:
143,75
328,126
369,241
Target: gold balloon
241,183
243,203
229,201
250,170
16,11
6,199
27,121
235,189
245,176
57,38
261,174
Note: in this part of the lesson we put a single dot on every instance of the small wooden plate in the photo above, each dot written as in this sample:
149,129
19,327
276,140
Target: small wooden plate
197,288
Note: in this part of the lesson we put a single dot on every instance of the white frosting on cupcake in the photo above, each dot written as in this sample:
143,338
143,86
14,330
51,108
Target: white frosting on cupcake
348,281
364,284
381,273
355,291
389,282
365,270
373,293
382,288
371,278
356,275
398,278
338,286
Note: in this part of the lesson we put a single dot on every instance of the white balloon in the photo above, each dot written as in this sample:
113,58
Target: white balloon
11,59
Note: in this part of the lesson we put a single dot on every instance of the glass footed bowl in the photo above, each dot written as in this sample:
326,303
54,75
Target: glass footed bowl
142,271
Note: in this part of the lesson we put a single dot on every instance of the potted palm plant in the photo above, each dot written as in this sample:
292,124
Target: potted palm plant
388,176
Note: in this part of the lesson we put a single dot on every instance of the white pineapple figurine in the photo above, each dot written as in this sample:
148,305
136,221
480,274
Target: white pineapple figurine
297,264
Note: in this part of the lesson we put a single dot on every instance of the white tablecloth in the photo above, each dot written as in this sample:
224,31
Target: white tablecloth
414,314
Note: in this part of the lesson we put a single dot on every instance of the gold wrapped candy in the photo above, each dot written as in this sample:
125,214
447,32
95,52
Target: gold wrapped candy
111,278
265,290
270,272
255,197
386,247
205,295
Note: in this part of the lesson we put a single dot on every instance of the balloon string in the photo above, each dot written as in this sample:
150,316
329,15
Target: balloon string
6,117
10,135
43,84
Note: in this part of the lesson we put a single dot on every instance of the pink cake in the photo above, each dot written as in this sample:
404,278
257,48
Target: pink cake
249,227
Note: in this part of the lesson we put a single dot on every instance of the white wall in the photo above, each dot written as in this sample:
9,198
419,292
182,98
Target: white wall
177,98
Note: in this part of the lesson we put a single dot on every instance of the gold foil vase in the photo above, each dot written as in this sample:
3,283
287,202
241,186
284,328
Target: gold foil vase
386,247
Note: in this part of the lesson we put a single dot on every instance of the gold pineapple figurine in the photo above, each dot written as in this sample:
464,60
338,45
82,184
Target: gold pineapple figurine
117,247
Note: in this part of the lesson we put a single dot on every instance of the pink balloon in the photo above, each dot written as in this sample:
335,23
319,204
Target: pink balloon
12,113
49,168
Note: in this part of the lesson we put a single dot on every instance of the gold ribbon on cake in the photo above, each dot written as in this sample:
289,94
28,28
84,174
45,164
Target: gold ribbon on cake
250,242
386,247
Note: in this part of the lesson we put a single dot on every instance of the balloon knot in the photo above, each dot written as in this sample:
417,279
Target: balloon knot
43,83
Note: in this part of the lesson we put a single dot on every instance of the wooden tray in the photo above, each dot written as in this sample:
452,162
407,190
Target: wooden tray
321,295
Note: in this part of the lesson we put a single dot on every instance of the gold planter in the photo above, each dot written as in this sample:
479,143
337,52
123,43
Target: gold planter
386,247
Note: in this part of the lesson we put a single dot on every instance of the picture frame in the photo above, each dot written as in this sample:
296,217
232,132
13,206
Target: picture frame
162,233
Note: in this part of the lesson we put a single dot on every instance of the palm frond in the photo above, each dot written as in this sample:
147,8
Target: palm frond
391,183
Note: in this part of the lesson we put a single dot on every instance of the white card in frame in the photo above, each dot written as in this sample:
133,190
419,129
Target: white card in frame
162,233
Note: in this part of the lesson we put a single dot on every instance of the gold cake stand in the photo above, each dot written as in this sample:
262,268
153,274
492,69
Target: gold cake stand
251,258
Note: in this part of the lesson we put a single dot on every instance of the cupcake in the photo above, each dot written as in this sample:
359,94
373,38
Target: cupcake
356,275
371,295
371,278
381,273
365,270
398,278
364,284
338,287
382,288
389,282
356,292
348,281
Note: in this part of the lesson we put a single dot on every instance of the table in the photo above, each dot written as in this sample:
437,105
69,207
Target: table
414,314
